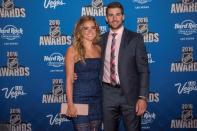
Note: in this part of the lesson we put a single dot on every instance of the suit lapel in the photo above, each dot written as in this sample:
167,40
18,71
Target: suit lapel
122,47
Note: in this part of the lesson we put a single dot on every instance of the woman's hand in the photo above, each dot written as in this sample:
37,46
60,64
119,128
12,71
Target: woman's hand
71,111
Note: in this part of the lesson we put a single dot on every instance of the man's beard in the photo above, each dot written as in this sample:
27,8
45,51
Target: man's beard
115,28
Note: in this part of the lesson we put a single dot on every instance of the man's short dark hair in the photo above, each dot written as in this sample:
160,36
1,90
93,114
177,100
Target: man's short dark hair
115,5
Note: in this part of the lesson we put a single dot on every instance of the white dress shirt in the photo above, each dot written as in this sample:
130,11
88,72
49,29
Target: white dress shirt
106,71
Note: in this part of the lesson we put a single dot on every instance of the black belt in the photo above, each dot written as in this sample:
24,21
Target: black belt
109,84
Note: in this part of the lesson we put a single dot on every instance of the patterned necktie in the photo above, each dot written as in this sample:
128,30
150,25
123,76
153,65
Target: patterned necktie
112,61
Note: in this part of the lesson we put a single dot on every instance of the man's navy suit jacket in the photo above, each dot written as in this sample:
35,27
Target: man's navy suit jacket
132,65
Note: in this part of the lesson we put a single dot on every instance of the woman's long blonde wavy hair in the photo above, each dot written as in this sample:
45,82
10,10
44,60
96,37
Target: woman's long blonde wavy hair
78,37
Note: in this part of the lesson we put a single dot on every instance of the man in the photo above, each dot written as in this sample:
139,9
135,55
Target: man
124,73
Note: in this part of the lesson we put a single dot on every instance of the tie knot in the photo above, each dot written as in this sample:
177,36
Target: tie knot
114,34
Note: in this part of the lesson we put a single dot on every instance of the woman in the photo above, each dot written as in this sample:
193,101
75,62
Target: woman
83,58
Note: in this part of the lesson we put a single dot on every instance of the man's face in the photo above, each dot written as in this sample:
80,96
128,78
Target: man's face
114,18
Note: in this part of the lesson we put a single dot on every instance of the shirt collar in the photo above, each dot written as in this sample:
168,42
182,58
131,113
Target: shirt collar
119,31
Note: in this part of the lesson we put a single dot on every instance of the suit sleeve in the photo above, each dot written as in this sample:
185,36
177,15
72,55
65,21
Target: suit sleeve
142,66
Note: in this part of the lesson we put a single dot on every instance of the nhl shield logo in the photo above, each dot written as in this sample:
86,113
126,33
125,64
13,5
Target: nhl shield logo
187,1
7,4
187,114
12,62
97,4
187,58
57,89
55,31
15,119
142,28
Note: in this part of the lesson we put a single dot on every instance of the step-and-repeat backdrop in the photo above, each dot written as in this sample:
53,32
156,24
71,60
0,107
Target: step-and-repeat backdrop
36,34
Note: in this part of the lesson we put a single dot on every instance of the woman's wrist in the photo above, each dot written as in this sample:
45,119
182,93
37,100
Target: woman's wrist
70,103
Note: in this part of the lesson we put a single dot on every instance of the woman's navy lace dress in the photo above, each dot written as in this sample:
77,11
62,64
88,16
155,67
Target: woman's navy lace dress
87,89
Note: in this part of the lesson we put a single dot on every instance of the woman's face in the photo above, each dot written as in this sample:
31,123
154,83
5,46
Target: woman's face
89,31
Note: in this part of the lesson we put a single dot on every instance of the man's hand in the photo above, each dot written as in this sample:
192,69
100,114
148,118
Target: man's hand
75,76
141,106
